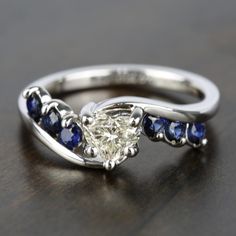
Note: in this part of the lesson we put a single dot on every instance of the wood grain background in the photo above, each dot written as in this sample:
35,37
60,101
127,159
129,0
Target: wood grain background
185,192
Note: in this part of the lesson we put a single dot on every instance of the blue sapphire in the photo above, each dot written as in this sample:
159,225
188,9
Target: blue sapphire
196,132
34,106
70,137
175,131
152,125
51,122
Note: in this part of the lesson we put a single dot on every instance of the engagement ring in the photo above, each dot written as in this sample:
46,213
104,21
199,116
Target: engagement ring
107,133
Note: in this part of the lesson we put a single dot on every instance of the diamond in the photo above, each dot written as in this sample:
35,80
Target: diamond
111,132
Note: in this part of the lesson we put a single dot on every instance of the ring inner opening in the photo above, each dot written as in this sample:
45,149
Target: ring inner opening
101,84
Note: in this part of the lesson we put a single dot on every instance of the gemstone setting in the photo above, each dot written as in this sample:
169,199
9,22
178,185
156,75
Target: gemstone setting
51,122
154,125
175,131
196,132
111,133
34,106
71,136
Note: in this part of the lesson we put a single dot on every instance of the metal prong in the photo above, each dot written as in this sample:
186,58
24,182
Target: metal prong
136,117
131,151
196,145
183,141
159,137
173,142
46,107
87,120
66,122
68,119
27,92
91,151
204,142
109,165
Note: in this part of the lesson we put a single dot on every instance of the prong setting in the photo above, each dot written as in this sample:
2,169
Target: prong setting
136,117
48,106
87,119
183,141
159,137
204,142
40,92
131,151
109,165
29,91
110,132
67,120
91,151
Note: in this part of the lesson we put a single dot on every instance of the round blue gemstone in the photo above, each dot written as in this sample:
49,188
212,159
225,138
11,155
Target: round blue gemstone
153,125
70,137
34,106
51,122
196,132
175,131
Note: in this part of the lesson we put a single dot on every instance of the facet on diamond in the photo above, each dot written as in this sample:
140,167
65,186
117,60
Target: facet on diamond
111,132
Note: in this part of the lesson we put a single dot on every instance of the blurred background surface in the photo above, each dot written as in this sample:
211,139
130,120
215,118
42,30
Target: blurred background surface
185,192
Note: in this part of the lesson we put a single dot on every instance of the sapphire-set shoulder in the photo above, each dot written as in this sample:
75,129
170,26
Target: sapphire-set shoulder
70,137
174,132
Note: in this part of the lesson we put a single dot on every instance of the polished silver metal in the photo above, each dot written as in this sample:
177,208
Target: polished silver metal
155,77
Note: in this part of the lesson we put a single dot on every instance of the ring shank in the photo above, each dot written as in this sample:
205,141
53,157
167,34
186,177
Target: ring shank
155,77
